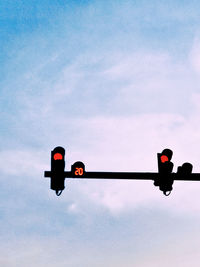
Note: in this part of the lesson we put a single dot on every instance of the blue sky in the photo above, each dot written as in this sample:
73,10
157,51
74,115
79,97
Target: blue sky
114,83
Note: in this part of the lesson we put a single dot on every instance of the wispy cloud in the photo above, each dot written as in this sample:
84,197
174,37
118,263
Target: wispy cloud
113,84
98,106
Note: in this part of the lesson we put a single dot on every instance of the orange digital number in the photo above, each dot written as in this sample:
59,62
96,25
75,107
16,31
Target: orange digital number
78,171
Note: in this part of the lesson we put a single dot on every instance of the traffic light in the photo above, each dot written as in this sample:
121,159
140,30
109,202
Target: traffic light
165,167
57,169
185,169
78,169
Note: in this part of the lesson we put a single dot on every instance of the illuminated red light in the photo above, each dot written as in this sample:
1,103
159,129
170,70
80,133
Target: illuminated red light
164,158
58,156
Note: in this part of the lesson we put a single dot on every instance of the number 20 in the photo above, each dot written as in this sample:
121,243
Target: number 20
78,171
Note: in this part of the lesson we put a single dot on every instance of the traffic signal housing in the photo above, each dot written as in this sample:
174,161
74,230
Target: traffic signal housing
185,169
57,169
165,167
78,169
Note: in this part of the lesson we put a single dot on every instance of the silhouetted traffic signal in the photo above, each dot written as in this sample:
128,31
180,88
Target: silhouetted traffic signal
185,169
165,167
78,169
57,169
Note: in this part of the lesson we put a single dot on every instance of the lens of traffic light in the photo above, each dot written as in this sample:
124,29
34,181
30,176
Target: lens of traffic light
164,158
57,156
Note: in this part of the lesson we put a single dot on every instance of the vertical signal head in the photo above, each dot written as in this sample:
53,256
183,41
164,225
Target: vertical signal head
165,166
57,169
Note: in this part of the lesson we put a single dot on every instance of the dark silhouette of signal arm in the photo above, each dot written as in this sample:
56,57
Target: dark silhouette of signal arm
164,178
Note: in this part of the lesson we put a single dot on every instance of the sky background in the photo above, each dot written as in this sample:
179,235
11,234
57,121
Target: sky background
113,82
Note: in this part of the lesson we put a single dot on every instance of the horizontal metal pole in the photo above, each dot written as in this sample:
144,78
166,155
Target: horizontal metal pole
129,175
119,175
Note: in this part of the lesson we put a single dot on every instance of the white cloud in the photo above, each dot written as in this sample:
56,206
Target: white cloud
150,86
113,111
22,162
73,208
131,144
122,144
180,250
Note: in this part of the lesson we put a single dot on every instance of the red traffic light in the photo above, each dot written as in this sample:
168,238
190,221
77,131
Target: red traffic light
164,158
57,156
